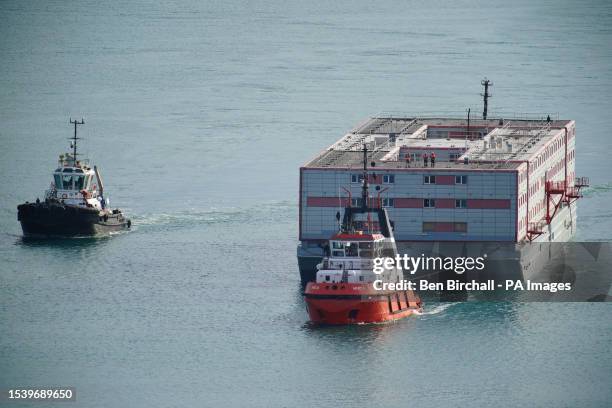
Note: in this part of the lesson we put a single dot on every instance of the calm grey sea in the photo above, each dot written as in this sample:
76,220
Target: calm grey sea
199,114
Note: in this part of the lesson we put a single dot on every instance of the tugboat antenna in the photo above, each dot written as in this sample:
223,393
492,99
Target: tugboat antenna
364,190
75,138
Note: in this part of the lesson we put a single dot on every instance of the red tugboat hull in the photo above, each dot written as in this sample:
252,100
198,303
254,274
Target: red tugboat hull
350,303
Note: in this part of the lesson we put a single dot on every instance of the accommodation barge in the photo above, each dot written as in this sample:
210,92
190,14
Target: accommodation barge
495,186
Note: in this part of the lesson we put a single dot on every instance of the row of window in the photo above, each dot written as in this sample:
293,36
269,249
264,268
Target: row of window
456,227
432,179
386,178
431,203
386,202
390,179
552,149
427,202
72,182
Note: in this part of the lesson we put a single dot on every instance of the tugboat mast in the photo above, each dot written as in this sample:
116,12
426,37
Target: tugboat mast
75,138
364,190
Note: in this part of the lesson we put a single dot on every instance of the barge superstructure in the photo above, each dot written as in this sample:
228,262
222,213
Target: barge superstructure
494,186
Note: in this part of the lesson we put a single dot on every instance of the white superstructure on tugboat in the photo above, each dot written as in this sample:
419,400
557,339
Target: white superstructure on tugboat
75,204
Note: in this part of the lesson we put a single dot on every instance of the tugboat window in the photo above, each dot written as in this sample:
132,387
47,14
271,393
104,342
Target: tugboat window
58,180
351,249
87,182
78,182
365,253
67,182
338,253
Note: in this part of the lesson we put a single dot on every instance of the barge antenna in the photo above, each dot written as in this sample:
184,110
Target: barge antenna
75,138
486,95
467,134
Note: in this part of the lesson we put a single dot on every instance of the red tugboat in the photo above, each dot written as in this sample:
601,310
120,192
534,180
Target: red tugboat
347,290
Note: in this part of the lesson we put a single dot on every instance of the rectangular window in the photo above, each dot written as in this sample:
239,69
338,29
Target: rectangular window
429,203
429,179
337,245
387,202
356,202
460,179
356,178
429,226
66,182
460,203
79,182
388,179
460,227
58,181
453,156
88,182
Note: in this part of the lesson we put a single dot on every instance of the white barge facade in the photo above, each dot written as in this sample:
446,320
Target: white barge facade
493,185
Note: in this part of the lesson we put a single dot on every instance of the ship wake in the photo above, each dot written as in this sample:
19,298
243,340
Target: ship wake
434,310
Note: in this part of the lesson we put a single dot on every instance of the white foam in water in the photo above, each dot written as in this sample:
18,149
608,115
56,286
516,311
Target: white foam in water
435,310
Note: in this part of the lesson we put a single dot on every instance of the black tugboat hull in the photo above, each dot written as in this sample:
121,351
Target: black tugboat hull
56,219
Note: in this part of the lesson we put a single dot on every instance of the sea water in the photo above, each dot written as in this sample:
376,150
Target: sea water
199,115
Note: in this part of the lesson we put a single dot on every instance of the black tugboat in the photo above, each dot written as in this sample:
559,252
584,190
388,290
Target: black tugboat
75,205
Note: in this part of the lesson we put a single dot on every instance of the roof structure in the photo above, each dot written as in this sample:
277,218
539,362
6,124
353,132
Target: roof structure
491,144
